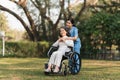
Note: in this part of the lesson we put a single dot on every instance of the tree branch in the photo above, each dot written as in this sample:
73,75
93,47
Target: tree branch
15,2
35,4
105,6
62,8
80,12
19,18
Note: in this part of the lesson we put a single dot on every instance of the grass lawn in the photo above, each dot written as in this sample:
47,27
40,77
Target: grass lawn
32,69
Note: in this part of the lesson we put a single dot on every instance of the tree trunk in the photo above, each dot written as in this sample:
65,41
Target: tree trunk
33,27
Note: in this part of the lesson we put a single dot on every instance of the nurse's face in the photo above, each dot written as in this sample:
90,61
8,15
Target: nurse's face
69,24
63,32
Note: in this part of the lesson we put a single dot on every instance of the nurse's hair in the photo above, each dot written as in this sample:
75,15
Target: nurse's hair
66,29
72,21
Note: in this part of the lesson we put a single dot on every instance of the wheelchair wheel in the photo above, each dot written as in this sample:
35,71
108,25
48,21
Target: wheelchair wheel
75,63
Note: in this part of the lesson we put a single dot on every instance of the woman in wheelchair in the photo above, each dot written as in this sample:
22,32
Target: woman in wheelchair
62,45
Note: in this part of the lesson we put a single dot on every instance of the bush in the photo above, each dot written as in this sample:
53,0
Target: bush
26,49
99,32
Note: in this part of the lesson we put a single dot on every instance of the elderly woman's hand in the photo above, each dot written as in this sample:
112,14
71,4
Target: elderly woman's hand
61,39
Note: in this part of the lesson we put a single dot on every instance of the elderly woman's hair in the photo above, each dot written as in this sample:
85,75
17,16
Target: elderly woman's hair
66,29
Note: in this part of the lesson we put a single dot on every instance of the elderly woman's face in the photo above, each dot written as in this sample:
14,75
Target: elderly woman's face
63,32
69,24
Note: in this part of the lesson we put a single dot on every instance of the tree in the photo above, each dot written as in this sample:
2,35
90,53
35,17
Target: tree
3,22
100,32
42,27
110,6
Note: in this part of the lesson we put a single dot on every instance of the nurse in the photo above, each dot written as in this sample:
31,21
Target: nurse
74,35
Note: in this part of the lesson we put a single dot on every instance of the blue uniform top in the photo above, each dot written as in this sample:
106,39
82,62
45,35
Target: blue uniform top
77,42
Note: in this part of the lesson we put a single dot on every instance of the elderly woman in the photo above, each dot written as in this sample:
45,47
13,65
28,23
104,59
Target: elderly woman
63,44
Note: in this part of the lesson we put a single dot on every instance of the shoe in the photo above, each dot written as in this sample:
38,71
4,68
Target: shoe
56,71
47,70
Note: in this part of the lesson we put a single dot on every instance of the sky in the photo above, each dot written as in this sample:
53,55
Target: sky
12,21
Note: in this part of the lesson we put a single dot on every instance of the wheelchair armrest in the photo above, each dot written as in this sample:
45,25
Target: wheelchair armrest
51,50
71,48
68,54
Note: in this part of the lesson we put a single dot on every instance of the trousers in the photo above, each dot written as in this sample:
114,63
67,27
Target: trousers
56,58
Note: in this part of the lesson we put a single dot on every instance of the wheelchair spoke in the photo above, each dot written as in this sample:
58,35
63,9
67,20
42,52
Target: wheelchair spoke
76,68
77,64
77,59
75,56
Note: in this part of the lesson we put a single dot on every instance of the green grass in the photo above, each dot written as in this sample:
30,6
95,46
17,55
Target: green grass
32,69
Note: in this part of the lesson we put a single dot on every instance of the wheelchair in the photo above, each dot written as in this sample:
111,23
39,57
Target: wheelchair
73,66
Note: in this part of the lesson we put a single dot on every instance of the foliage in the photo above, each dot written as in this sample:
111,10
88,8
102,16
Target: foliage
100,31
26,49
10,34
3,22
